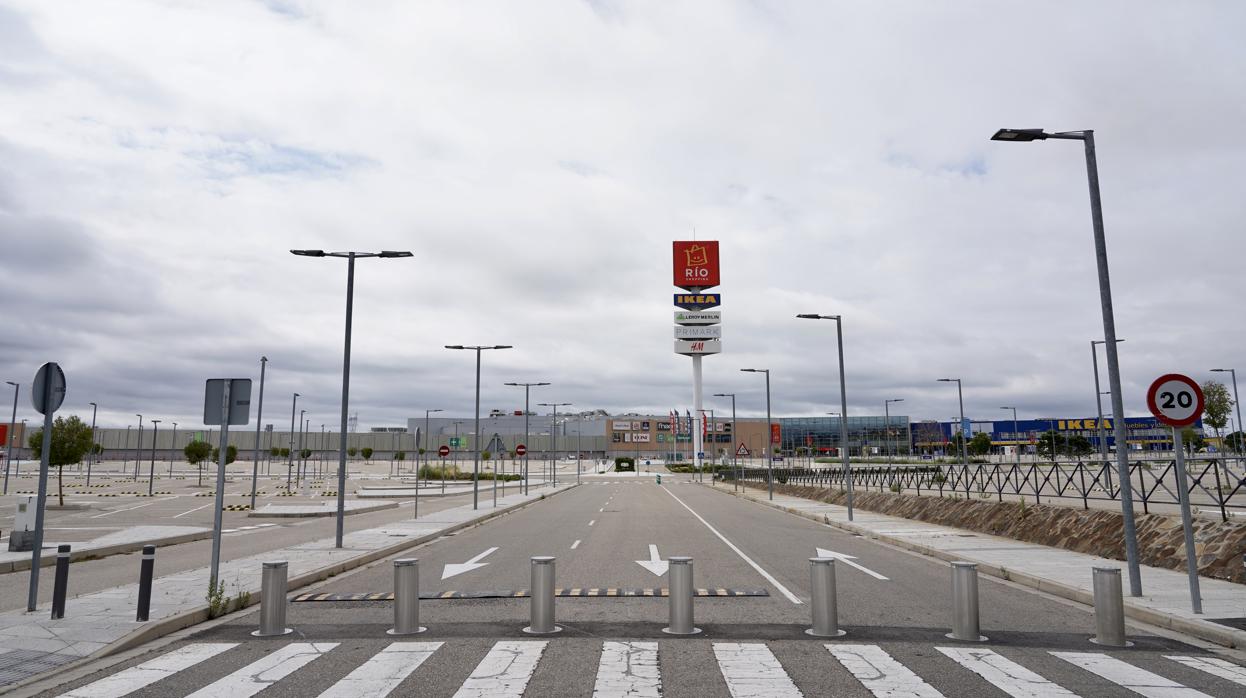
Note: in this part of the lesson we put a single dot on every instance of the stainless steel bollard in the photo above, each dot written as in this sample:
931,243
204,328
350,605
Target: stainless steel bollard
680,575
542,597
273,600
824,605
965,603
1109,608
406,598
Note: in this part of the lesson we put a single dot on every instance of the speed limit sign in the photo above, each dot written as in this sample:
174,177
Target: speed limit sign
1175,400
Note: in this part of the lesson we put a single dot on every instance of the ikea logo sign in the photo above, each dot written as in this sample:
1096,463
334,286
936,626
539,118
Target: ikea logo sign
697,301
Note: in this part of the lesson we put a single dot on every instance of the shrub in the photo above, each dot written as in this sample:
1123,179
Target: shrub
400,456
275,452
352,451
624,464
895,487
231,454
305,453
285,453
367,453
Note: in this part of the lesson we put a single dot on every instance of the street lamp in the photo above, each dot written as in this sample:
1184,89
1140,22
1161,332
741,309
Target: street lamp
734,435
1087,137
350,258
769,431
8,458
553,435
259,417
299,474
138,446
887,424
151,473
173,453
526,388
476,439
290,457
1233,373
94,455
1016,435
843,401
1094,360
964,452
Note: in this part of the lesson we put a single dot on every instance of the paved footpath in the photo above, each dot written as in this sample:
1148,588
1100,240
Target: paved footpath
1166,593
103,622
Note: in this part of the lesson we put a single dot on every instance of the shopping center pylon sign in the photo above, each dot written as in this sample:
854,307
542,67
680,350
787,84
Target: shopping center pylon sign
700,333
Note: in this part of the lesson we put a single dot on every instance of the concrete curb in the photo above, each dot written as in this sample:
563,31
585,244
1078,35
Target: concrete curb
261,514
48,560
1203,630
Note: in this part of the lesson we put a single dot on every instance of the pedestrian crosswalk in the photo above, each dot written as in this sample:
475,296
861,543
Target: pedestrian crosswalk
636,669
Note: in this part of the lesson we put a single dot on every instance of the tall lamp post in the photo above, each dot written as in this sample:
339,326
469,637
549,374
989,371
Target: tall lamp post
8,458
1016,435
1094,361
173,452
151,473
964,451
526,388
553,434
138,446
259,417
476,438
734,460
1241,429
843,401
302,464
1087,137
290,459
769,432
887,424
94,455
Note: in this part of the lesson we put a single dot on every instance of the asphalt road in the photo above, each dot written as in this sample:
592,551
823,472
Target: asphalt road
896,615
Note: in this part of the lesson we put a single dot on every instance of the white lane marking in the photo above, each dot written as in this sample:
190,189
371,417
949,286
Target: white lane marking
504,671
454,568
190,511
770,578
590,523
750,669
601,510
576,544
654,564
381,674
118,511
123,683
1004,674
880,673
848,560
1126,675
1216,667
265,671
628,670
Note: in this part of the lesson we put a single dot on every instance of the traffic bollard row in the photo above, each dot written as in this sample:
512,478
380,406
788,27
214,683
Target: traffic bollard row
61,583
273,600
146,571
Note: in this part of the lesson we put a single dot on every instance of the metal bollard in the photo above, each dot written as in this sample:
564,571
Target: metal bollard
273,600
542,597
61,583
680,574
1109,608
824,605
965,603
146,570
406,598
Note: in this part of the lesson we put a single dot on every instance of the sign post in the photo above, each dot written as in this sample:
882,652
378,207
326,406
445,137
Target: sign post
696,269
443,451
226,401
1177,401
47,393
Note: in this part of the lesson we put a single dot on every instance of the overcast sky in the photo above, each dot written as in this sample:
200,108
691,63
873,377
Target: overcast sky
159,159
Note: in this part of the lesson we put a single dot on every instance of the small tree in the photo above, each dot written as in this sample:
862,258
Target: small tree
421,451
367,454
231,454
1079,445
285,453
71,440
400,456
1049,444
305,453
275,452
1217,405
196,453
980,444
352,451
485,455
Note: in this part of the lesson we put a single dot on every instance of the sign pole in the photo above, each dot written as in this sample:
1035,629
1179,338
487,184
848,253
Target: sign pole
698,445
220,485
1187,525
32,597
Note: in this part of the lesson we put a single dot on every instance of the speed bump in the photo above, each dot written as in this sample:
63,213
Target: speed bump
575,592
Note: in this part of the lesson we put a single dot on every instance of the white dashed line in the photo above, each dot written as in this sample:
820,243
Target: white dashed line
590,523
576,544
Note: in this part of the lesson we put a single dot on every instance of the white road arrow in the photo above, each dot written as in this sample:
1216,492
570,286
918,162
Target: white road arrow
472,564
848,560
654,564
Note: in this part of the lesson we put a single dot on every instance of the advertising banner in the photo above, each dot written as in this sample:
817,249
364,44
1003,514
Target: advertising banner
622,426
701,346
696,264
776,433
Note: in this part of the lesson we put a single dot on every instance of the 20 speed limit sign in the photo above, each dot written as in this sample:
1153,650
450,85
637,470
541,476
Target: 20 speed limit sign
1175,400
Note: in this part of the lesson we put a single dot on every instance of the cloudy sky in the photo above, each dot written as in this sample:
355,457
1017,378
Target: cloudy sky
159,159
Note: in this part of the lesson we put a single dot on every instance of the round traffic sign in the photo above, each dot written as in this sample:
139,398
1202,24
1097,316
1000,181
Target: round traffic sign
443,451
521,450
1175,400
48,391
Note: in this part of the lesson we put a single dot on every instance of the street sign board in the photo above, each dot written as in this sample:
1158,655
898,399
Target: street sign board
742,450
48,376
521,450
443,450
776,433
697,301
701,332
239,401
1175,400
706,346
709,317
696,263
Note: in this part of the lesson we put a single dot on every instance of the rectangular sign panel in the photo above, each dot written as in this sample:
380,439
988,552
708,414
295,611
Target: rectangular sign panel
711,317
640,438
704,332
701,346
697,301
239,408
776,433
622,426
696,263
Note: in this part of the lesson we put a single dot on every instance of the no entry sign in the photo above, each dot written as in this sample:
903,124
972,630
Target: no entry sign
1175,400
521,450
443,451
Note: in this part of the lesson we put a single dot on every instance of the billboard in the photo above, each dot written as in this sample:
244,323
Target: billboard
696,264
704,332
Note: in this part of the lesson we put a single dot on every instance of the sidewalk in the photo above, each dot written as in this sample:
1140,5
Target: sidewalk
125,540
102,622
1166,593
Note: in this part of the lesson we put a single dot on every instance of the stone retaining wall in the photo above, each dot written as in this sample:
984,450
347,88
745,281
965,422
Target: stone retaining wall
1219,545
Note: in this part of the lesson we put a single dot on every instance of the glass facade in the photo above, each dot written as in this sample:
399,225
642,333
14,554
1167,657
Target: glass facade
822,434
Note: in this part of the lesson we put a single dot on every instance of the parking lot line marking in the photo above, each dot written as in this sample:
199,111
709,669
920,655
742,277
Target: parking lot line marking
178,516
576,544
590,523
118,511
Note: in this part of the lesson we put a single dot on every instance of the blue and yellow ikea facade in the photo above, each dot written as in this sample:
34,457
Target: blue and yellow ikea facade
1142,433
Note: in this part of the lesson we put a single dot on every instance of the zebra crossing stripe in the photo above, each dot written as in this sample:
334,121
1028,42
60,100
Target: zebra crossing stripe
1128,676
628,670
752,671
504,671
880,673
123,683
1004,674
381,674
265,672
1216,667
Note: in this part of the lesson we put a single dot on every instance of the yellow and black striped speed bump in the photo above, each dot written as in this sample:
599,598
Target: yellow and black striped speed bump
236,507
583,593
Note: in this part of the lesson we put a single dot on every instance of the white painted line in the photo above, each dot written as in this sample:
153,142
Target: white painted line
752,671
205,506
123,683
655,563
1126,675
880,673
381,674
118,511
848,560
576,544
590,523
1216,667
454,568
769,577
1004,674
265,671
601,510
504,671
628,670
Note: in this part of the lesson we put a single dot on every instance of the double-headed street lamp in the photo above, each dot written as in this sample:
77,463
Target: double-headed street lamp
887,424
259,417
1016,435
735,464
138,446
960,398
843,401
769,432
527,446
350,300
1087,137
94,455
476,439
553,434
1238,403
290,459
